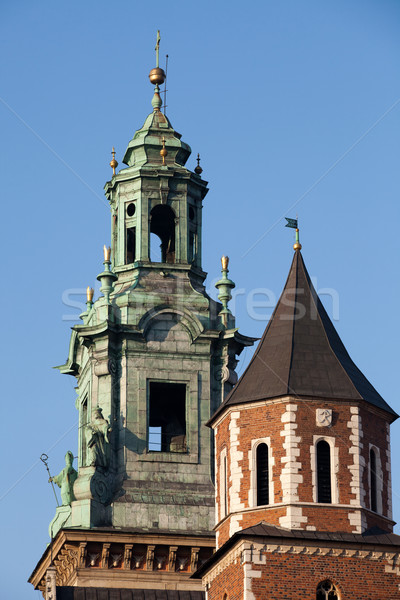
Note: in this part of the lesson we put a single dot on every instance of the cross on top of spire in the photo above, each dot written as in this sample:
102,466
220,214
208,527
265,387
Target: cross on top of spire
157,49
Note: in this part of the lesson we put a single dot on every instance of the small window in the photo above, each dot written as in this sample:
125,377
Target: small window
84,422
373,488
131,209
225,485
223,488
130,245
167,417
327,591
262,475
192,246
324,472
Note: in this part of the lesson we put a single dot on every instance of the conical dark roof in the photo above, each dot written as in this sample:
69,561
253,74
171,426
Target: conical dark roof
301,353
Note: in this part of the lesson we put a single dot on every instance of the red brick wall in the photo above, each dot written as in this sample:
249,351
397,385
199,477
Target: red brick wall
288,576
229,582
264,420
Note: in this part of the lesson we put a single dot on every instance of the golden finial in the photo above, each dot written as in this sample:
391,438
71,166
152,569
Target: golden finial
113,163
107,253
89,293
163,151
225,262
198,169
157,75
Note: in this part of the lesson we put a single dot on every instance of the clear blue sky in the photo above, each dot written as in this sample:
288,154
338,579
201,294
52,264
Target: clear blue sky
294,108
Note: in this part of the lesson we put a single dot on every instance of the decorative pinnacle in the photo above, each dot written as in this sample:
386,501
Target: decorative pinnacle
107,277
163,151
297,245
89,297
198,169
113,163
225,263
224,286
107,253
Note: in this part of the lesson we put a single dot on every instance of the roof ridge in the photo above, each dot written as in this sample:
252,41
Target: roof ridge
318,303
296,257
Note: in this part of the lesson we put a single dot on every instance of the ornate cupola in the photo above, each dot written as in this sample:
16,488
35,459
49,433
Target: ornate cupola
302,441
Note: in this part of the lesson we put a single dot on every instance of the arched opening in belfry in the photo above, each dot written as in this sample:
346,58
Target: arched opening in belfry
162,225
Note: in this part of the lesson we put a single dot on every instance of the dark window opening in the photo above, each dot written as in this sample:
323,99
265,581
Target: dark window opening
162,224
225,490
167,417
84,422
327,591
324,472
191,213
262,475
372,467
192,246
131,209
130,245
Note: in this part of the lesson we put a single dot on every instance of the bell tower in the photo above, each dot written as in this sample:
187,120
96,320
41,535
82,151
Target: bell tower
153,358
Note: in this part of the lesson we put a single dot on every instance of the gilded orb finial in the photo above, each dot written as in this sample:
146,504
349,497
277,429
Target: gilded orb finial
107,253
89,293
113,163
163,151
198,169
297,245
157,75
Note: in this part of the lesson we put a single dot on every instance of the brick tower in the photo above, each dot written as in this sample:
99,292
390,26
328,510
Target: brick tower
153,358
303,486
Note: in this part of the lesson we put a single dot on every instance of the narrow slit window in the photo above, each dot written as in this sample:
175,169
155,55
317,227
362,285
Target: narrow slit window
324,472
372,467
167,417
84,422
262,475
225,485
192,246
130,245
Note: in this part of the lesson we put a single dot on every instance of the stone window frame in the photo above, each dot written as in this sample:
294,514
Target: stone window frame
253,472
145,376
334,589
379,478
334,467
223,484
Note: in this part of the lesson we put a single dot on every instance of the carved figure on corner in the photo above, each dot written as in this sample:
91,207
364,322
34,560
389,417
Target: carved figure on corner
66,479
98,436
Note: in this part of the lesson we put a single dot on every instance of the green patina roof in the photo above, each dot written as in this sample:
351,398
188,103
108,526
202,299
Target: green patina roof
144,148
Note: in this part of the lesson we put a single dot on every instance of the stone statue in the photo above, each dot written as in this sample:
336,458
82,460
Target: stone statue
66,479
98,440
